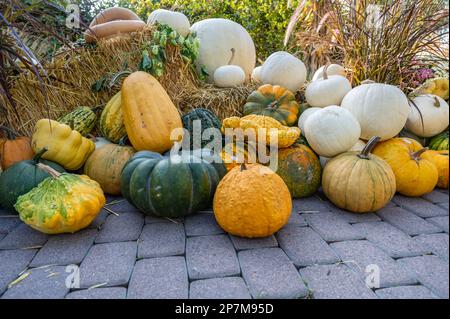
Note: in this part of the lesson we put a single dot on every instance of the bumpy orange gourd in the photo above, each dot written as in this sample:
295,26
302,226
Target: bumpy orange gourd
440,160
148,113
414,175
105,166
14,148
252,201
359,182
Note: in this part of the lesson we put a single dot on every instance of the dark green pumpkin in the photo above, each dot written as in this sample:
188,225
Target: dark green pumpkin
168,186
81,119
22,177
207,120
300,169
439,142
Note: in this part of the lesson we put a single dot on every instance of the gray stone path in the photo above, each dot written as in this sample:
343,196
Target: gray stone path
323,252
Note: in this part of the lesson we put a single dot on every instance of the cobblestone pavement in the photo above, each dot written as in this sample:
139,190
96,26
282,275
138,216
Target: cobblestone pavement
323,252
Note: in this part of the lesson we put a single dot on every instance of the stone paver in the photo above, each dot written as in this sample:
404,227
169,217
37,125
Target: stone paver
211,256
23,236
202,224
258,267
65,249
360,255
435,243
441,222
159,278
331,227
322,252
40,283
354,218
335,282
312,204
436,197
99,293
12,263
431,271
161,240
305,247
405,292
407,221
390,239
8,223
108,264
125,227
219,288
241,243
419,206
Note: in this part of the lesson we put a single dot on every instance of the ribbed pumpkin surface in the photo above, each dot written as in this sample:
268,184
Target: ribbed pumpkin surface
200,120
439,142
111,120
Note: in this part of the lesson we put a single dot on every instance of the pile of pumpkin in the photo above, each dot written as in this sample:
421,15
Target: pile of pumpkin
343,139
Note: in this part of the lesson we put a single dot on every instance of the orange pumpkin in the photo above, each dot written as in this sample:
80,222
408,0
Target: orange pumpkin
414,175
440,160
14,148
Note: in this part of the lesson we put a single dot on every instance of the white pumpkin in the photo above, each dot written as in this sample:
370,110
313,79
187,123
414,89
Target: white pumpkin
333,69
228,76
381,109
331,131
176,20
217,37
256,74
435,114
358,147
328,90
284,69
304,116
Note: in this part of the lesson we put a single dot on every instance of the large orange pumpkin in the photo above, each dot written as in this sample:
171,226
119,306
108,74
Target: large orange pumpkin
440,160
105,166
14,148
414,175
252,201
359,182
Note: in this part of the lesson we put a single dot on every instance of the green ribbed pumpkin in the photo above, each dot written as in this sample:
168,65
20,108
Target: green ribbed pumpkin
167,187
439,142
21,177
111,121
300,169
207,120
81,119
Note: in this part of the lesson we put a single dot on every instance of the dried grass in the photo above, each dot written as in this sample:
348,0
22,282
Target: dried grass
73,71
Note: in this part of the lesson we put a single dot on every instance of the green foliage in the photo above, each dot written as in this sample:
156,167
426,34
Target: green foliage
265,20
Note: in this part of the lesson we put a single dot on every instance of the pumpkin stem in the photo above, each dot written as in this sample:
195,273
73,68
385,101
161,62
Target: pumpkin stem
10,134
39,154
436,102
53,172
117,76
233,52
369,147
416,155
243,167
325,69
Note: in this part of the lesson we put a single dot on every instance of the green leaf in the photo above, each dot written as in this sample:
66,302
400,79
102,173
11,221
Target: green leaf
98,85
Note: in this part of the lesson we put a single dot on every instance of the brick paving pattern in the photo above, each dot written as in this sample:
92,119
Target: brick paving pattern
323,252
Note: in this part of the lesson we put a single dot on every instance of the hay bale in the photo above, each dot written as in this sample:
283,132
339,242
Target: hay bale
73,71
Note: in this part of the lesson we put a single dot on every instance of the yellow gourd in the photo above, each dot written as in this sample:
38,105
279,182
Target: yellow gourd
64,146
440,160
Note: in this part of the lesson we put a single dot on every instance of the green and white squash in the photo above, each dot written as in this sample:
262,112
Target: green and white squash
81,119
439,142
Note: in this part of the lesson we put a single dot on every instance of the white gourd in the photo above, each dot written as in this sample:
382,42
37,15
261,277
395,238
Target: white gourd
284,69
331,131
333,69
435,115
304,116
228,76
176,20
381,109
256,74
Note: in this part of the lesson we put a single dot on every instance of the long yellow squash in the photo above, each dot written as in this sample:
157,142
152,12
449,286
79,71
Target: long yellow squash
148,113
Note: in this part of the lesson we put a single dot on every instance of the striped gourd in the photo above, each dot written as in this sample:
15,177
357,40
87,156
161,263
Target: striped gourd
81,119
439,142
111,120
